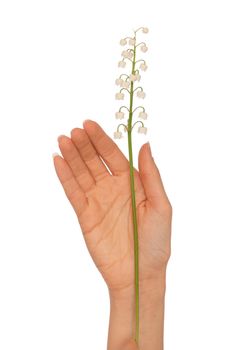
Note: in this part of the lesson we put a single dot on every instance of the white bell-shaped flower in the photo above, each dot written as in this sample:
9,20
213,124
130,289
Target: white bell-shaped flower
143,115
125,84
122,64
141,94
123,42
127,54
119,96
144,48
133,77
119,115
145,30
132,42
143,66
142,130
119,81
117,135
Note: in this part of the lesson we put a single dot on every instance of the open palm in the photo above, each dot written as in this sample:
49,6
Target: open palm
95,176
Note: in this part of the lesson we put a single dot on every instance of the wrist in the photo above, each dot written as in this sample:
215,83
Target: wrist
150,289
151,312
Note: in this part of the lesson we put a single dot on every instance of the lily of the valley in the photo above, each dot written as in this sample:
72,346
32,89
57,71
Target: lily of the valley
125,84
119,96
117,134
127,54
141,94
132,42
142,130
145,30
123,42
119,81
134,77
144,48
119,115
128,83
143,115
122,64
143,66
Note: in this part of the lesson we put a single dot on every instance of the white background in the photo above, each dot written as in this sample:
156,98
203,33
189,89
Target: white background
58,64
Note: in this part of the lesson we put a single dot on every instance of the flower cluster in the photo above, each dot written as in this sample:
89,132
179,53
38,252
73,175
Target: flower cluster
127,81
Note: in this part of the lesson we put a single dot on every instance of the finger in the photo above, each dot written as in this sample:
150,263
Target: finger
74,160
89,154
107,148
150,177
72,189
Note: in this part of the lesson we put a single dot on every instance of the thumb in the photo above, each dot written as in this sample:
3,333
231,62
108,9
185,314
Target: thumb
130,345
150,177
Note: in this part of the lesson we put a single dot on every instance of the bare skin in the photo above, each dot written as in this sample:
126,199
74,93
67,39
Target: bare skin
102,202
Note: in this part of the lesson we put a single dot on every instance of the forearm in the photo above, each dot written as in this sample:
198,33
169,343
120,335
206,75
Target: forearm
122,315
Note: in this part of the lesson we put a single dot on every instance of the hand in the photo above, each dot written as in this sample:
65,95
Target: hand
102,202
130,345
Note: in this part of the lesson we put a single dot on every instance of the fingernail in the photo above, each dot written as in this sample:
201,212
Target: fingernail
87,120
54,155
60,137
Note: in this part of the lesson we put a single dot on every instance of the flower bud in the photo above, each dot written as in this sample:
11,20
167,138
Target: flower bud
145,30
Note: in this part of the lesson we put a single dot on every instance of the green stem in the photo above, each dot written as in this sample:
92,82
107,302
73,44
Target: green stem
135,227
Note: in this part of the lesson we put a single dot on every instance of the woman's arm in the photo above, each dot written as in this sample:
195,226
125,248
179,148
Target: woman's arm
122,318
